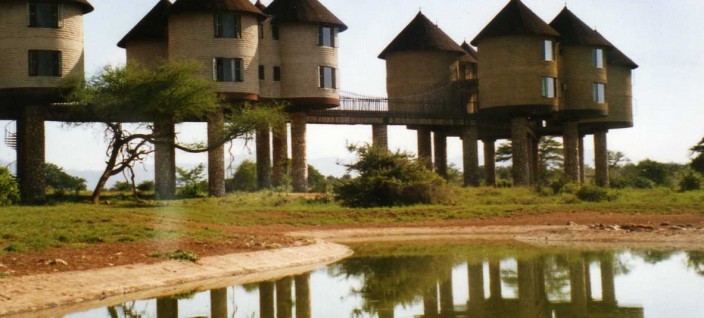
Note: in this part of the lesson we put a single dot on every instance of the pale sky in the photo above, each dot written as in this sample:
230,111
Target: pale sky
666,38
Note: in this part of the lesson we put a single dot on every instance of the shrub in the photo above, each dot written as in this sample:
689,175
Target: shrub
9,191
245,178
504,183
595,194
146,186
641,183
61,182
122,186
390,179
191,182
690,182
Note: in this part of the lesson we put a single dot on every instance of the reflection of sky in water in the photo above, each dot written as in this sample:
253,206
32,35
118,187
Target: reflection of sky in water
664,289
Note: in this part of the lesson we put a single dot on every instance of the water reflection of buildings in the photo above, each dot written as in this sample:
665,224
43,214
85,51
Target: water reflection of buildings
532,299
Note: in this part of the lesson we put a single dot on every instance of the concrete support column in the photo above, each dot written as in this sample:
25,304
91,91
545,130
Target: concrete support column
31,155
266,300
601,158
570,141
425,148
280,166
440,151
519,142
582,177
531,167
263,140
470,155
535,160
475,273
490,162
216,156
430,302
165,160
284,302
578,287
380,136
608,287
167,307
299,164
495,279
303,296
447,302
218,303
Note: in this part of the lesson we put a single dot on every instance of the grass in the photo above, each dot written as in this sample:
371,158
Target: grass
25,228
179,255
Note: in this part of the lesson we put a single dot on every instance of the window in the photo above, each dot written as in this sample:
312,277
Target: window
261,29
548,51
275,32
599,90
261,72
277,73
327,77
548,86
45,63
327,36
228,70
44,14
228,26
598,58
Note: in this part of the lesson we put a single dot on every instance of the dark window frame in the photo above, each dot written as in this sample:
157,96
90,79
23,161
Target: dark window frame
55,11
218,25
277,74
219,64
35,63
598,58
260,29
544,52
599,92
327,40
275,32
545,87
323,78
262,72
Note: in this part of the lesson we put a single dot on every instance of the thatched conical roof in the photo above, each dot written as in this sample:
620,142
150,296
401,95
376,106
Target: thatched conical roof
302,11
421,34
242,6
515,19
616,57
470,51
260,5
574,31
84,4
154,25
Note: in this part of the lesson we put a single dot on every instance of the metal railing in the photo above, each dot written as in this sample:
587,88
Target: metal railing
10,137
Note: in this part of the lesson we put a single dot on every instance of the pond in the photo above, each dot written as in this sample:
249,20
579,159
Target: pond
457,279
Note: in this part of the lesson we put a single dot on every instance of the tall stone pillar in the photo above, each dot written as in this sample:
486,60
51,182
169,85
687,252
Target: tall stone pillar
447,302
425,148
601,158
495,279
470,155
218,303
519,142
475,273
263,140
608,287
216,156
582,177
299,164
570,141
164,160
440,147
587,279
380,136
578,287
284,303
279,173
266,300
531,288
490,162
430,301
303,296
31,155
167,307
535,160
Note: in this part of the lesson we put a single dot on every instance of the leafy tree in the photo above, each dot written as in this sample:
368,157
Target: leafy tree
617,160
169,93
122,186
655,171
245,178
190,182
146,186
698,157
60,181
317,182
9,191
390,179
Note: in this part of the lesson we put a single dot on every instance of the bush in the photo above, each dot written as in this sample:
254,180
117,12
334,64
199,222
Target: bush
690,182
9,191
245,178
61,182
191,182
122,186
595,194
390,179
641,183
146,186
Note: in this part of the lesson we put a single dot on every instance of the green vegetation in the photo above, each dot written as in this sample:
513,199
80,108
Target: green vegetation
179,255
698,156
191,183
244,179
9,191
61,182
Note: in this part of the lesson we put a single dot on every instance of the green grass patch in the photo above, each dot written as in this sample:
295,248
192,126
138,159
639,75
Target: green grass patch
179,255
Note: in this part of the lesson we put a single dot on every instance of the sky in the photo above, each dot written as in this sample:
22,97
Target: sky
666,38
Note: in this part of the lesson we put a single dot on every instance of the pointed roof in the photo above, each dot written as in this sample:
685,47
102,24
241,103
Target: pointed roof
574,31
243,6
260,5
515,19
85,5
421,34
153,26
616,57
306,11
470,51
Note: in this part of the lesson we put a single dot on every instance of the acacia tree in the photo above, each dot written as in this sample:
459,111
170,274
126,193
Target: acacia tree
170,92
698,156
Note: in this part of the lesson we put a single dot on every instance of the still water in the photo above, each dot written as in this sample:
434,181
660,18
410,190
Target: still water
450,279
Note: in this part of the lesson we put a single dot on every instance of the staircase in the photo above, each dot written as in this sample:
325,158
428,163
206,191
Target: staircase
10,137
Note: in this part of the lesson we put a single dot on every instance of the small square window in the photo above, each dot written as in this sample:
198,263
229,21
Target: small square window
548,51
44,63
599,90
261,72
261,30
326,36
598,58
275,32
327,77
277,73
228,70
228,26
548,87
44,14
